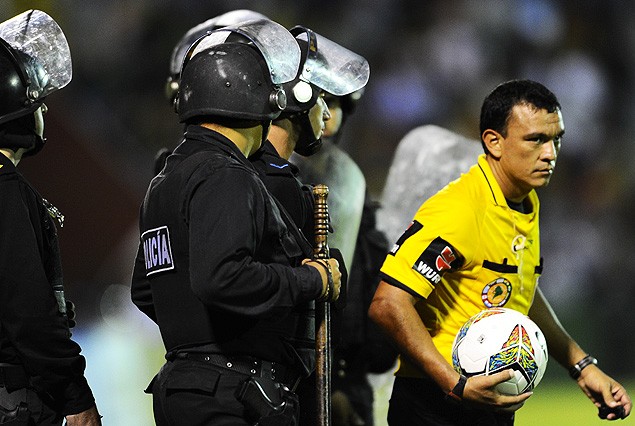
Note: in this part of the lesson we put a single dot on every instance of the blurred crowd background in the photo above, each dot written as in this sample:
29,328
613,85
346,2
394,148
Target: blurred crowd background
432,62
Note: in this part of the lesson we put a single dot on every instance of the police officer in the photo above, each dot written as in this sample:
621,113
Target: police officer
233,17
325,66
41,370
359,347
220,268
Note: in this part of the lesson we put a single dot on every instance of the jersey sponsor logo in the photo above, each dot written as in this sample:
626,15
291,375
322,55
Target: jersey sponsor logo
445,259
437,258
157,250
496,293
412,229
427,272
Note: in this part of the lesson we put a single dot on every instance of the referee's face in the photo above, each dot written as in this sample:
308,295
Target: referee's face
531,147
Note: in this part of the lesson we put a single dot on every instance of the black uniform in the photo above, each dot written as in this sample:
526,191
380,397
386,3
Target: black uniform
358,347
39,362
281,179
218,271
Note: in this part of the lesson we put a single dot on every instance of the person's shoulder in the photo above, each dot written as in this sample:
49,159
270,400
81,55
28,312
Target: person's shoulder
15,189
468,188
273,165
461,198
228,170
456,190
215,161
9,177
211,167
6,167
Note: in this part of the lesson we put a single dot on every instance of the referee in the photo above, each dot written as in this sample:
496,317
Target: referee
475,245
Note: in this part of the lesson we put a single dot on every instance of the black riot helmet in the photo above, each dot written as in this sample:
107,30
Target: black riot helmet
16,83
325,67
348,105
235,73
178,53
229,80
34,62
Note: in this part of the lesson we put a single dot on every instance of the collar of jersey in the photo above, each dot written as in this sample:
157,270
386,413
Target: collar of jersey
497,193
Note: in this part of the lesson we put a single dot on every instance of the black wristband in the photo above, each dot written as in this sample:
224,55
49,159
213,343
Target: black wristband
456,394
577,368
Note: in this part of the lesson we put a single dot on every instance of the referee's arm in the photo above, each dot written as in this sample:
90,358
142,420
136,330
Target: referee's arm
393,310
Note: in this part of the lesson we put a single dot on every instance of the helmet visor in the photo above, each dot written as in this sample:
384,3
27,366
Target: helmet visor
230,18
38,36
277,45
331,67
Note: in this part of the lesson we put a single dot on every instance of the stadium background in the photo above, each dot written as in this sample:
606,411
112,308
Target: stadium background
431,62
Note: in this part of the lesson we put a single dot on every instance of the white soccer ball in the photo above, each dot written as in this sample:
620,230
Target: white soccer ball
497,339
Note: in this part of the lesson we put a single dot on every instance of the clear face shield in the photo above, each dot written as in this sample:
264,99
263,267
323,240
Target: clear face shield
43,51
230,18
331,67
277,45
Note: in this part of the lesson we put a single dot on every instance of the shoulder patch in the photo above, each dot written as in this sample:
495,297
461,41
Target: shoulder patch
157,250
436,259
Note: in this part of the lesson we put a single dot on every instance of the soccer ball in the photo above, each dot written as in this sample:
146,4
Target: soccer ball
497,339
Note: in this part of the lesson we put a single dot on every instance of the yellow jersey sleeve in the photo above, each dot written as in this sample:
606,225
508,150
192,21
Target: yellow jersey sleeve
466,250
440,239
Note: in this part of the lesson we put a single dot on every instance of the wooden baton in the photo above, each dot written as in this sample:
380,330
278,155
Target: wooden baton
322,312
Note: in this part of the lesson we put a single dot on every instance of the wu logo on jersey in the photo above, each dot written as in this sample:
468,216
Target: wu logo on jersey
445,259
437,258
157,250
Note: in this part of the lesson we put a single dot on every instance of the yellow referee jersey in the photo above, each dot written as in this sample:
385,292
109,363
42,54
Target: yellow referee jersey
466,251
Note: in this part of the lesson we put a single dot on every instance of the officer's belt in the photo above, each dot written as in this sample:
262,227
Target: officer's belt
13,376
245,365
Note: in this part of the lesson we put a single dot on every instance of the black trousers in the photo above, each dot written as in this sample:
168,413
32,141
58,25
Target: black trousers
24,407
191,393
420,402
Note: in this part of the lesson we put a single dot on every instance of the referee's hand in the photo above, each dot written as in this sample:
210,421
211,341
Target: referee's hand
482,390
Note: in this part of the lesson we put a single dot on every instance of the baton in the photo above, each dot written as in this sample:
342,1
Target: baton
322,312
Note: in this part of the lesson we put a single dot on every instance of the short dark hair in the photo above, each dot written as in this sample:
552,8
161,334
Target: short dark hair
498,105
